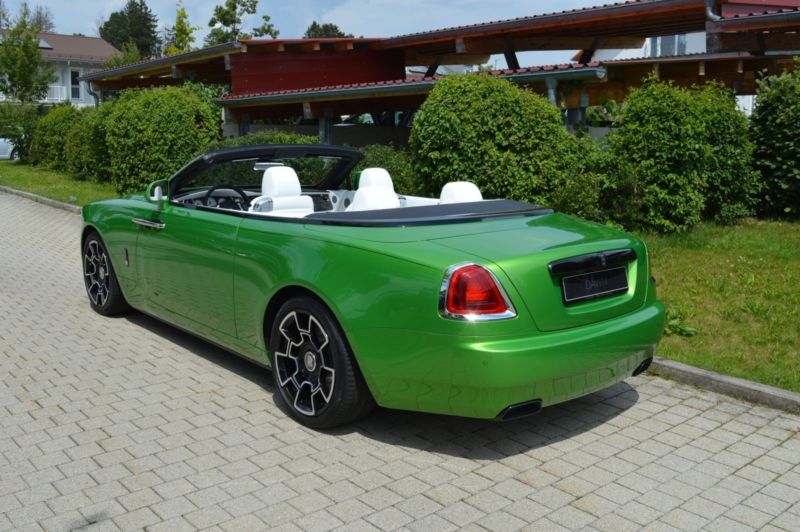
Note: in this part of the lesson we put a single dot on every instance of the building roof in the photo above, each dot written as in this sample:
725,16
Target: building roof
412,84
58,47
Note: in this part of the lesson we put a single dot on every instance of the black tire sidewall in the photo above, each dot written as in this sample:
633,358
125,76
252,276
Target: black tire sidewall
340,352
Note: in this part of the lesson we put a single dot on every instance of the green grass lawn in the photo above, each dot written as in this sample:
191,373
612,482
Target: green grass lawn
739,288
52,184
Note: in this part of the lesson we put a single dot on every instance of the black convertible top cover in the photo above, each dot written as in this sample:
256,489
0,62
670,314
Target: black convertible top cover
430,214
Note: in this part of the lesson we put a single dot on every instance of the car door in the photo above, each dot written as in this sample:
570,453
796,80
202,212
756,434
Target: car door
186,261
186,252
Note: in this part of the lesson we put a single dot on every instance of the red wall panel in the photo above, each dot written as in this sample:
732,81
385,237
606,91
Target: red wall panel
255,72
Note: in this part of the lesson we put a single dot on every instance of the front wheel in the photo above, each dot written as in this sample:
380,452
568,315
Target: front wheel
315,373
105,296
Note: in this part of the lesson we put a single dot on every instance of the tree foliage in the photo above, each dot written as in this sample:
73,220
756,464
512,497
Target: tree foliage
181,35
226,23
128,54
154,132
775,129
25,76
324,31
135,23
42,18
18,124
509,142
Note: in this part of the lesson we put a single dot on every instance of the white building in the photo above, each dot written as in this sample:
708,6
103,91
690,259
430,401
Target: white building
72,56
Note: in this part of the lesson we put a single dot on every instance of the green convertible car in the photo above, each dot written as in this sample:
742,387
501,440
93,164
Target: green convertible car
354,294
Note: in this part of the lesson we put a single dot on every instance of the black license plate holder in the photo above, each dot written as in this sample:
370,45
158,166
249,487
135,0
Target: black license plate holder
594,285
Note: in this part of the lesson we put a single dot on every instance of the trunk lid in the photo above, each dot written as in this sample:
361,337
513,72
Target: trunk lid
524,252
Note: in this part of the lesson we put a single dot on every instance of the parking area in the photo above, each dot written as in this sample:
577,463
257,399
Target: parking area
127,423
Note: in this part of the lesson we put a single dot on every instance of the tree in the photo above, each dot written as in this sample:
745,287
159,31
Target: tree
42,18
323,31
3,14
129,54
267,29
181,35
26,77
226,22
135,22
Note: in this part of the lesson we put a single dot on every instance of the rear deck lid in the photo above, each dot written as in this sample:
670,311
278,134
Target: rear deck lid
544,254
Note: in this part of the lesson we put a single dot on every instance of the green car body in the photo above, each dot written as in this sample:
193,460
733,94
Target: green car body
223,276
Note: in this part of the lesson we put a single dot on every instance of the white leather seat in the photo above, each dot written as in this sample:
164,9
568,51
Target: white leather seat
460,192
375,177
369,198
281,194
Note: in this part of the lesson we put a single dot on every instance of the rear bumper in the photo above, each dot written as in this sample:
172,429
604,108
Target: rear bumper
481,377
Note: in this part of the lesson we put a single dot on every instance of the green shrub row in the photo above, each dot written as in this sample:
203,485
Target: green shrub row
677,155
141,136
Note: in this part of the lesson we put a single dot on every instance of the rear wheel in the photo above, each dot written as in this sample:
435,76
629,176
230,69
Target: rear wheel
315,373
105,296
14,155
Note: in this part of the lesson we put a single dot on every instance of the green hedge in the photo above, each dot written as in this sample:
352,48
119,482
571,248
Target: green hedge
48,147
153,132
86,148
397,161
680,155
775,130
265,137
511,143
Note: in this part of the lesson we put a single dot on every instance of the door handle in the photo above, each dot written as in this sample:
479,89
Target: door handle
158,226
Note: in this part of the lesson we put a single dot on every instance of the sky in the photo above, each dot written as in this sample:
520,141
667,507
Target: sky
368,18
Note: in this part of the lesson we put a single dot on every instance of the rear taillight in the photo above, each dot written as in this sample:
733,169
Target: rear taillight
471,292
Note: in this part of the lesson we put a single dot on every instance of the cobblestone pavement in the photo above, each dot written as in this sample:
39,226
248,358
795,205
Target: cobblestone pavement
126,424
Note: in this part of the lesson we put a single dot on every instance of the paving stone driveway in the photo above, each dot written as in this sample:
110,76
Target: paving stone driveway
127,424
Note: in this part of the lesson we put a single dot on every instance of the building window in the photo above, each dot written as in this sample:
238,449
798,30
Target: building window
75,84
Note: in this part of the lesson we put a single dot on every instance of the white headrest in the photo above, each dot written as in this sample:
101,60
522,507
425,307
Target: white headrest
460,192
375,177
374,198
279,182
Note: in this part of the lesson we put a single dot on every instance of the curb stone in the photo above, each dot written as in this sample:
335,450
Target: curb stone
41,199
753,392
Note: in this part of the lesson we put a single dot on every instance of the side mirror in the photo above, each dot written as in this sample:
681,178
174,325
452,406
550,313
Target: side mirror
155,192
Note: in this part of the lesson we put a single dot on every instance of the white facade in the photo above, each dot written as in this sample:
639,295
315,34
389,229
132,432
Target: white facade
66,87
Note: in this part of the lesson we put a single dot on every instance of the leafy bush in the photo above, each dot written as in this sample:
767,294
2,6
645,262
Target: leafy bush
581,190
265,137
48,147
86,148
681,154
396,161
732,186
775,129
18,124
509,142
156,131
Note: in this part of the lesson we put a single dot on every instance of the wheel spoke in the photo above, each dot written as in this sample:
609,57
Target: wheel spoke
309,410
290,329
318,335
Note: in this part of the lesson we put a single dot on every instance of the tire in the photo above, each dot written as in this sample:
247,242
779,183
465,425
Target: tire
316,375
102,288
14,155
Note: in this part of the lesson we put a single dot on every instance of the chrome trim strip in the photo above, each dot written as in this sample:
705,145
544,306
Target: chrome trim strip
443,312
148,223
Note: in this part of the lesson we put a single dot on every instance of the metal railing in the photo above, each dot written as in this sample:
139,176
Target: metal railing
55,93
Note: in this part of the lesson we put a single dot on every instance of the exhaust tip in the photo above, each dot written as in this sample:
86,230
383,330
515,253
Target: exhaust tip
528,408
641,368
